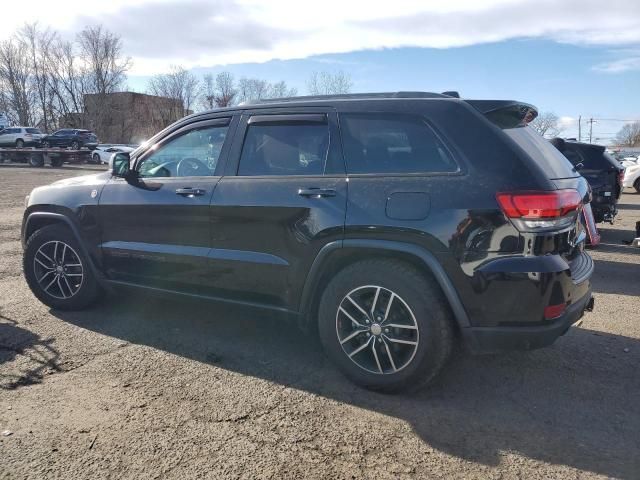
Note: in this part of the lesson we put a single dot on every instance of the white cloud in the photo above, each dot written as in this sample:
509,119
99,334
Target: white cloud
158,33
629,62
565,123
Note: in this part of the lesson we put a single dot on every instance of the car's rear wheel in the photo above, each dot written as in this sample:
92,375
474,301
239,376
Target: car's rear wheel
75,145
96,158
19,143
46,144
636,185
57,162
385,325
57,271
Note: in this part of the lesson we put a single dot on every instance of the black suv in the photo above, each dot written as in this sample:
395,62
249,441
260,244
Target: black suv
392,225
602,171
73,138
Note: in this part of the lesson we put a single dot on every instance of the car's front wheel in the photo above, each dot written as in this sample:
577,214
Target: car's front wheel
75,145
385,325
19,143
57,271
636,185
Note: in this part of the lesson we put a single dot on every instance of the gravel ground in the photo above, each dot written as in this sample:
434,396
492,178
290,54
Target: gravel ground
140,387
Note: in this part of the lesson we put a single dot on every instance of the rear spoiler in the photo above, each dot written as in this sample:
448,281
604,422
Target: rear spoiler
506,113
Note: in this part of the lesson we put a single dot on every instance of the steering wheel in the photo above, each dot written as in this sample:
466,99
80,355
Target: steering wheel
191,167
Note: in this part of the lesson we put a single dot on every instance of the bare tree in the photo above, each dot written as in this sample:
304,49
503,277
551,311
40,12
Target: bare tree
281,90
179,85
15,83
37,45
103,69
546,124
327,83
251,89
219,91
629,135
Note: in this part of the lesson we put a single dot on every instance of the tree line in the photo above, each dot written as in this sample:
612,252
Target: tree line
44,78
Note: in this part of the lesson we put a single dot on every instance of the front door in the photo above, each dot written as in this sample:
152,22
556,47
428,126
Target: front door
283,198
156,231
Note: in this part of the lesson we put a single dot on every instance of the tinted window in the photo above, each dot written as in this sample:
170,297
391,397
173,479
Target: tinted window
193,154
32,130
392,143
285,149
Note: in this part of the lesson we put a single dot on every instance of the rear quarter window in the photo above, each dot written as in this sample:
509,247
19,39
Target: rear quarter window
548,157
393,144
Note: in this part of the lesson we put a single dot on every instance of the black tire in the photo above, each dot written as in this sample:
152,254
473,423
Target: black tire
75,145
88,289
56,161
96,158
46,145
19,143
433,319
636,185
36,160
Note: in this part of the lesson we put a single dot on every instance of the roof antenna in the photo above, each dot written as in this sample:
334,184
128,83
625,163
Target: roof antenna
451,93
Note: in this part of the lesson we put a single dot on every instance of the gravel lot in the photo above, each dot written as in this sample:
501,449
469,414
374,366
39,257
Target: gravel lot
142,387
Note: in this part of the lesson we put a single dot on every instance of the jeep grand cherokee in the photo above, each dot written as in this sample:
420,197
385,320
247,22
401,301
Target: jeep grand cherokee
393,225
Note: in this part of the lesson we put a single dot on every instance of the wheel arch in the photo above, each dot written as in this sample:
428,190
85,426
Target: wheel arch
38,220
336,255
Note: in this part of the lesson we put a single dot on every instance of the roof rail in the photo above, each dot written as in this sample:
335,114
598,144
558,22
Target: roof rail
349,96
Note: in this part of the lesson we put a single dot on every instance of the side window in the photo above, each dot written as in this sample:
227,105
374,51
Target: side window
293,148
192,154
392,143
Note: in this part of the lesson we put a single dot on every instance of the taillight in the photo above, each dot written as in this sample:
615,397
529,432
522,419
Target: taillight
539,211
620,177
554,311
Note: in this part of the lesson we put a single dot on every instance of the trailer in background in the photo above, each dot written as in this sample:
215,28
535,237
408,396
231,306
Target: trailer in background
39,157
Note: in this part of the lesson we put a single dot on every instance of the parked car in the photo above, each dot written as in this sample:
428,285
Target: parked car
104,151
20,137
71,138
632,177
629,161
393,225
601,170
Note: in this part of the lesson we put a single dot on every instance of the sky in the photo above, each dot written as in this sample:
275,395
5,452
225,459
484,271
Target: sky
572,57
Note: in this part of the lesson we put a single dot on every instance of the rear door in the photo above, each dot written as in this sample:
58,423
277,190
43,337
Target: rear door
282,200
156,230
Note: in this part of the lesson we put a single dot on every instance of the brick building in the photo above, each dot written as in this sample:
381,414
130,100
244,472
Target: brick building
125,117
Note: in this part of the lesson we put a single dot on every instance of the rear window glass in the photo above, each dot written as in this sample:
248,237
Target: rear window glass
554,163
392,143
33,130
592,158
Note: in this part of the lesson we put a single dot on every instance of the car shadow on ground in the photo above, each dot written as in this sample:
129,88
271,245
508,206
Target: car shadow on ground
555,405
35,355
627,275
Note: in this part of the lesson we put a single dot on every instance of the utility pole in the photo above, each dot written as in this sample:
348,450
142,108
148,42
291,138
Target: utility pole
579,128
590,122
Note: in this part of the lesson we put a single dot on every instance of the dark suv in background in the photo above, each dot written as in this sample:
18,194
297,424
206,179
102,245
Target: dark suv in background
603,172
71,138
393,225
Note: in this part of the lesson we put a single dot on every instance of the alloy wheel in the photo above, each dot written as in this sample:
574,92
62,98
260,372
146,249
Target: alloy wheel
377,329
58,269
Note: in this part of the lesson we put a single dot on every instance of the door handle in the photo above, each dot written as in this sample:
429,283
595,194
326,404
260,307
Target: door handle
190,192
314,192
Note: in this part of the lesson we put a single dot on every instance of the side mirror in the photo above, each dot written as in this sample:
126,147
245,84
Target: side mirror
119,163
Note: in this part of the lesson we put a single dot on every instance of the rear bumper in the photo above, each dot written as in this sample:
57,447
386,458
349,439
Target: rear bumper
500,339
